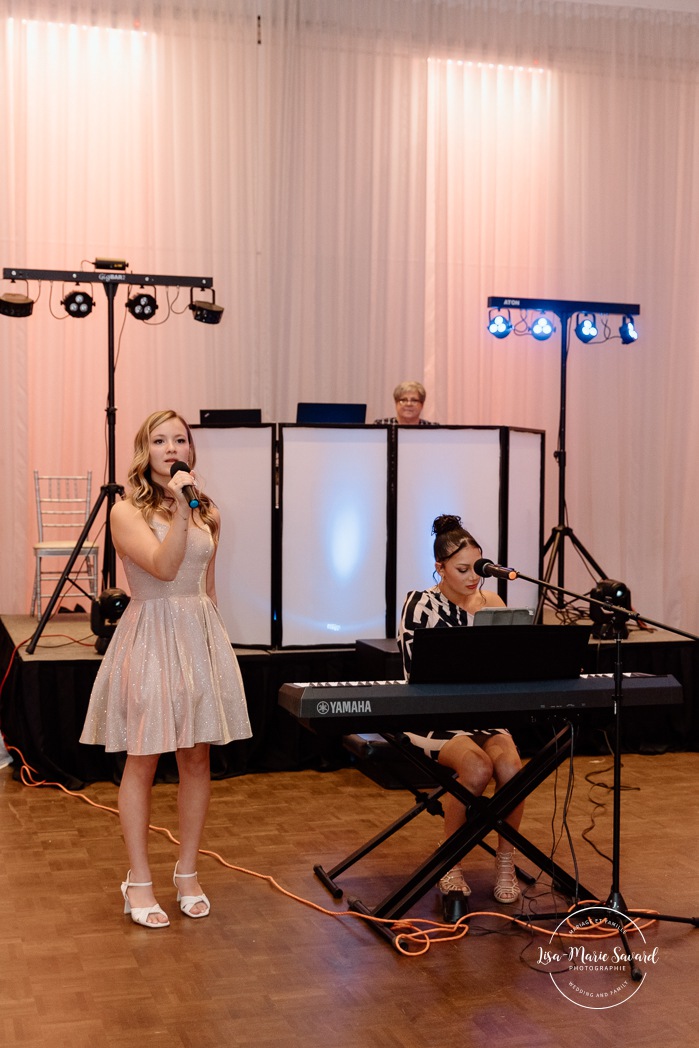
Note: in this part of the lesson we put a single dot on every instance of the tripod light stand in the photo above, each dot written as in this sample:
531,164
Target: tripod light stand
114,275
555,544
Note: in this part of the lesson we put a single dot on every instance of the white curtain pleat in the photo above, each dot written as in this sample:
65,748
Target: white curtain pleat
357,177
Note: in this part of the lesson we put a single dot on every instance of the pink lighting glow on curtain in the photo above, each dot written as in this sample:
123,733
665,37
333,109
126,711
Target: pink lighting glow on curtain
356,197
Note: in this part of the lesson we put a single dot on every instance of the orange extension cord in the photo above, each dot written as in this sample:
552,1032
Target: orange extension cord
413,936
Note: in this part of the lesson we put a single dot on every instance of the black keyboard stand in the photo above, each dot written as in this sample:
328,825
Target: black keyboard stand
430,801
423,802
484,816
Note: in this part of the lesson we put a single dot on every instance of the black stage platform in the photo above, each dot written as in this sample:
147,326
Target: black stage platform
45,696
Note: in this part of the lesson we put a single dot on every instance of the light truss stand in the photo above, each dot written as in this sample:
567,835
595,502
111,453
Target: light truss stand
555,544
554,547
108,492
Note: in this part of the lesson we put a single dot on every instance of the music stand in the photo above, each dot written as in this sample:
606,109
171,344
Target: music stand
110,279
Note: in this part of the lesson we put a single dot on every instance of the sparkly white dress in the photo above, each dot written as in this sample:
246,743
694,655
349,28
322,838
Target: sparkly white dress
169,678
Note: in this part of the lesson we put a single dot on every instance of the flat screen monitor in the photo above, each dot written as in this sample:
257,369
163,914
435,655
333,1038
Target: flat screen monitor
331,414
230,416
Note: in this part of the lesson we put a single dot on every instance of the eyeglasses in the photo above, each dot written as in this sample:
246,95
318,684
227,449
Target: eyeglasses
409,400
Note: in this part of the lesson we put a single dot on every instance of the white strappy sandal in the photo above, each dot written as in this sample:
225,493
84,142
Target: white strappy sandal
140,914
453,881
188,902
506,888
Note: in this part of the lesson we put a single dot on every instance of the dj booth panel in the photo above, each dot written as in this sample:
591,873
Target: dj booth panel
326,528
236,469
525,514
492,477
45,698
333,494
443,471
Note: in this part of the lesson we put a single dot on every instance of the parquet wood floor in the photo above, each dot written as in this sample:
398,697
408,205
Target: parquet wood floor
267,972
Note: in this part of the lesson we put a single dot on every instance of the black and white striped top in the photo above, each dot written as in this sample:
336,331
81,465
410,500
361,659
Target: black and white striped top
430,609
426,609
393,421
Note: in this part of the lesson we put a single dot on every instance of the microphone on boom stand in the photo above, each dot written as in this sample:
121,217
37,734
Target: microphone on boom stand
486,569
614,910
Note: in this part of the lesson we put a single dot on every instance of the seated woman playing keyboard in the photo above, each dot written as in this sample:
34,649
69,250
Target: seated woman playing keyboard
476,756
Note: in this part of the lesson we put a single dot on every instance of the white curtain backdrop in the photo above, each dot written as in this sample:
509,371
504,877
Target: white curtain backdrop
358,176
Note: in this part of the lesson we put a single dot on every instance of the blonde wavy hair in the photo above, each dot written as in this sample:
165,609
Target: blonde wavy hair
145,493
404,388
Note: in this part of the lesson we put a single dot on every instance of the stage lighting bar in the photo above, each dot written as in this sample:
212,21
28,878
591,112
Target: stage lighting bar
113,274
586,328
108,277
563,306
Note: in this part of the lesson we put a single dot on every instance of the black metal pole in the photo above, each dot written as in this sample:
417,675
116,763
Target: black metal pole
555,544
615,904
109,563
615,899
560,453
108,491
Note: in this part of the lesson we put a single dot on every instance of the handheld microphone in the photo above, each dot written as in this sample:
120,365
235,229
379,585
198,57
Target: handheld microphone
187,489
486,569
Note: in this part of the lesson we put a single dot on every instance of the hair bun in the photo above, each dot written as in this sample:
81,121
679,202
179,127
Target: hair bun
446,522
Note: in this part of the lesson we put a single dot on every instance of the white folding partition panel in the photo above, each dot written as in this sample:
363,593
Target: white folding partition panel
333,498
524,531
235,468
444,470
335,539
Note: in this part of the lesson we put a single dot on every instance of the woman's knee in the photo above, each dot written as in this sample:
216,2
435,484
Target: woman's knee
194,760
506,765
141,767
472,765
478,769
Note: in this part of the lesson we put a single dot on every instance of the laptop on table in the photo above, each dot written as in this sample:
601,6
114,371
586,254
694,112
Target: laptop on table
330,414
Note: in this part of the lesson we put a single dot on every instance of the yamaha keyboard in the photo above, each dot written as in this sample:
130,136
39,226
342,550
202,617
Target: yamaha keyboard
394,707
344,707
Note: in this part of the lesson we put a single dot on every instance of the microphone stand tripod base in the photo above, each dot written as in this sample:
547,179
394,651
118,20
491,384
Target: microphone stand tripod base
454,906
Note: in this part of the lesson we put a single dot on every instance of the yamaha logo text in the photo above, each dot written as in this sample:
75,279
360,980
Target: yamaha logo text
346,706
